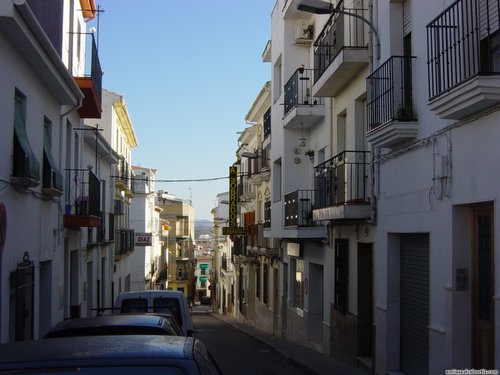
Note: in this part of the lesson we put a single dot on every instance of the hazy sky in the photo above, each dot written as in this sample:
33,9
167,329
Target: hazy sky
189,72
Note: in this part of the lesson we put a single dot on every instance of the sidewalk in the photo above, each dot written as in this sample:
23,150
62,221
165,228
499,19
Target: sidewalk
308,359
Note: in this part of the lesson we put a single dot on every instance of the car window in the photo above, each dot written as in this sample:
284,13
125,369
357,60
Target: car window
133,305
168,305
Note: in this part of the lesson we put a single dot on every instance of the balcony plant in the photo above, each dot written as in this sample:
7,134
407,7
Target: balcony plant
310,154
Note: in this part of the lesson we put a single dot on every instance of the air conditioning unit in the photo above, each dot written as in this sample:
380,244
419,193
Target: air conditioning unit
304,33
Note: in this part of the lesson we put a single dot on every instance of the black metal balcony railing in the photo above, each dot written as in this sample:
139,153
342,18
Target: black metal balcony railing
83,192
124,172
341,31
90,79
267,214
390,92
239,247
298,208
342,179
461,44
298,90
267,123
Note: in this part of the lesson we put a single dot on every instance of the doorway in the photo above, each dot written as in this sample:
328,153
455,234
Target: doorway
483,321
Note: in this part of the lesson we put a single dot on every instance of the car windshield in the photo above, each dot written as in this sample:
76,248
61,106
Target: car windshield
168,305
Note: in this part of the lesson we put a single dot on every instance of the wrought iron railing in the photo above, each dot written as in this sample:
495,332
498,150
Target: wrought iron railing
124,241
83,193
267,123
267,214
298,90
390,92
460,44
124,173
342,179
341,31
298,207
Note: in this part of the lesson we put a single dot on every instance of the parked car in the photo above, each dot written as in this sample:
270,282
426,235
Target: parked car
157,301
147,354
205,300
122,324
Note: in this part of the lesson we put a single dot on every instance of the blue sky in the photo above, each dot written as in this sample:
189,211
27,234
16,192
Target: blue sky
189,72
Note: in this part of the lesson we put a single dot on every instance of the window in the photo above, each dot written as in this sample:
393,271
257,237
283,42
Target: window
25,166
298,283
341,274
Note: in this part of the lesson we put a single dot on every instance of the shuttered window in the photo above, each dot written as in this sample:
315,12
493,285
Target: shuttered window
414,308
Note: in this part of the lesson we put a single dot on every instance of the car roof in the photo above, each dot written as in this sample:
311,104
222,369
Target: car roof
95,348
109,324
151,293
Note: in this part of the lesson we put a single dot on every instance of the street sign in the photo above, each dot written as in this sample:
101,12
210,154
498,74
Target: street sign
233,229
143,239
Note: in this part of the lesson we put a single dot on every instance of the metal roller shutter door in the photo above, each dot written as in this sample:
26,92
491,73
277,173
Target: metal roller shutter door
414,318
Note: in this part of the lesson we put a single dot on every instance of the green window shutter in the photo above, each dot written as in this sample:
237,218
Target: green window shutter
25,162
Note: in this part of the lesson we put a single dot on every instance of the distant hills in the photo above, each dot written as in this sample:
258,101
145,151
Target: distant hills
202,227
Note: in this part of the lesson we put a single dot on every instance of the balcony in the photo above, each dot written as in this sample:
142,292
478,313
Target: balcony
298,208
119,207
301,108
124,242
259,170
123,180
267,124
90,82
267,214
392,120
245,190
341,187
83,205
340,52
257,243
464,59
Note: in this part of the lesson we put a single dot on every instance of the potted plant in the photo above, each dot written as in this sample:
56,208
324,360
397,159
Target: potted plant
310,154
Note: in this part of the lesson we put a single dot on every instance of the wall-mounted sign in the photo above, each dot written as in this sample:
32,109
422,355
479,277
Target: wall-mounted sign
233,228
293,249
143,239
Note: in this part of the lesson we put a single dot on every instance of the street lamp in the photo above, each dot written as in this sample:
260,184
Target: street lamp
320,7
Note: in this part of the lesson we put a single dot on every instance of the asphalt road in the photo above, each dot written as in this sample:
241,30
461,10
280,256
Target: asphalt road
238,353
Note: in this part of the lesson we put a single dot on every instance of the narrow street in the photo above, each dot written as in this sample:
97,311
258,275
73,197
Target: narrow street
238,353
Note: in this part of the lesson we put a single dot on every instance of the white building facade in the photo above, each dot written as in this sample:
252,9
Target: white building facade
145,219
434,130
44,97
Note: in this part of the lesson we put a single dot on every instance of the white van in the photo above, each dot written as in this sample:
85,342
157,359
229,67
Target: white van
157,301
